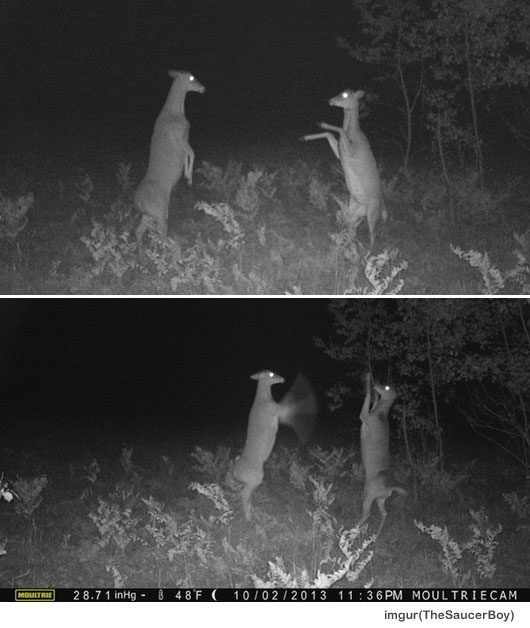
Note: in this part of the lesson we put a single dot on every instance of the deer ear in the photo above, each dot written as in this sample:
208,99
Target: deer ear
360,94
173,73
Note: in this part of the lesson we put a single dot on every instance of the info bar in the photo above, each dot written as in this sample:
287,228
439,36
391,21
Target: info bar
264,595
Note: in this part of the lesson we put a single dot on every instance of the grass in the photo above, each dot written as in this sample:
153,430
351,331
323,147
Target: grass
257,228
142,519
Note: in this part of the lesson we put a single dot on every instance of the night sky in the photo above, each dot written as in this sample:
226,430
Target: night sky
149,366
77,68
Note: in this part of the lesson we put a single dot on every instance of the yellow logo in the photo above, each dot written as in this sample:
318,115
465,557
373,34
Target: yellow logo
34,595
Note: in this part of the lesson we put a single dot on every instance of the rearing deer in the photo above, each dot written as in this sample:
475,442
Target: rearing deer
297,409
169,156
375,449
358,163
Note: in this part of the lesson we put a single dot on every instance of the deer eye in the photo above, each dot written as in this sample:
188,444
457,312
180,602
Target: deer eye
345,94
192,78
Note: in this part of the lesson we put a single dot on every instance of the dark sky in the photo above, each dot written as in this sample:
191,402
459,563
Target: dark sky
269,66
186,362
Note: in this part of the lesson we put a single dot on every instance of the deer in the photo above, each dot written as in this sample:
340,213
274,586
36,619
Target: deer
170,155
358,164
297,409
375,449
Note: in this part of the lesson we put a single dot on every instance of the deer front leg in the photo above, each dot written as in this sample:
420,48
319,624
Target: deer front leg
331,139
189,159
330,127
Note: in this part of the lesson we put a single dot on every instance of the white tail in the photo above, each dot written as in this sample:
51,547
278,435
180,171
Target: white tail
358,163
169,156
375,448
297,409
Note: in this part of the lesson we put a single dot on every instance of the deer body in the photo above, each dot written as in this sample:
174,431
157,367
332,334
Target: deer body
375,449
170,155
297,409
358,164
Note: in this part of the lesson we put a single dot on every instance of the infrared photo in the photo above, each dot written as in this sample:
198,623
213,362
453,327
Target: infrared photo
264,147
258,443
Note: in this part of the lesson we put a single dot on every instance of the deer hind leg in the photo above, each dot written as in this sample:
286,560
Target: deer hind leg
382,506
372,216
356,212
158,224
245,473
382,510
367,506
373,212
161,222
245,494
152,201
141,229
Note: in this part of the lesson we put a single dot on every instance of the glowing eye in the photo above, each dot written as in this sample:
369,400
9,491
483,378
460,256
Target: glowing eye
345,94
387,387
192,78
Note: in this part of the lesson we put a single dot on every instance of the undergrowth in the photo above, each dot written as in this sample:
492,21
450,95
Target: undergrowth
138,527
267,229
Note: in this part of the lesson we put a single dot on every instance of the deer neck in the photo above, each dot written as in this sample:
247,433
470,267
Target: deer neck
351,121
263,392
175,100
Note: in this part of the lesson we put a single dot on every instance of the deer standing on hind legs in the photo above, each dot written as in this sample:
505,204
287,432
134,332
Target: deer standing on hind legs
169,156
358,163
375,449
297,409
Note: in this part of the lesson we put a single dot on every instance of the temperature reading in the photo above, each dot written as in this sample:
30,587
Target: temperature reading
188,595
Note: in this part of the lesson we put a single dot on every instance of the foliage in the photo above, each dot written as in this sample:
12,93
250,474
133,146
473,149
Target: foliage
214,493
494,281
255,191
175,540
381,279
333,463
479,550
13,215
224,182
13,220
114,523
6,493
197,535
450,61
29,493
430,347
378,272
212,465
268,230
249,192
392,41
432,480
521,507
323,523
225,216
111,251
92,470
350,567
